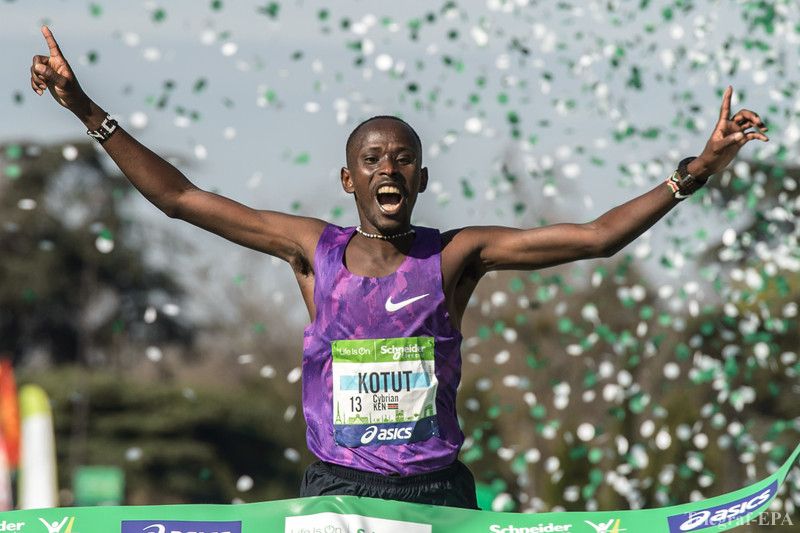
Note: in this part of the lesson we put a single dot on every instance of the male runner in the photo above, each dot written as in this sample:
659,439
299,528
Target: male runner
381,359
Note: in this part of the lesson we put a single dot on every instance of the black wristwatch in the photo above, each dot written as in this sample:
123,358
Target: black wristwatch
106,129
682,183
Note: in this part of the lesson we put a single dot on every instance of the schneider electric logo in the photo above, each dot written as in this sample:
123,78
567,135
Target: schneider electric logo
173,526
349,523
538,528
721,514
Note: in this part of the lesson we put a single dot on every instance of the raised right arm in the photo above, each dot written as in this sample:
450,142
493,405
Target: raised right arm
288,237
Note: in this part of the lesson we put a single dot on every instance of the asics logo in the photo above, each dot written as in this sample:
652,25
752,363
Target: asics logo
392,307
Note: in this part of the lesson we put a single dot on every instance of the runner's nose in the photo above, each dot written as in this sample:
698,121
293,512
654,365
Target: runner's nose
388,167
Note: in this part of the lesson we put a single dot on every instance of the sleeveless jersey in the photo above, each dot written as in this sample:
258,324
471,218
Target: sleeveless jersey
381,362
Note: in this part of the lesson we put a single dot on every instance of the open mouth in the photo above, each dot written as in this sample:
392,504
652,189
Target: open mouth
390,199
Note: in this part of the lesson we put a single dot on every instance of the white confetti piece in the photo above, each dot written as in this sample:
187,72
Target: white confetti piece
586,432
154,353
294,375
69,152
230,48
150,315
473,125
104,245
383,62
138,120
244,483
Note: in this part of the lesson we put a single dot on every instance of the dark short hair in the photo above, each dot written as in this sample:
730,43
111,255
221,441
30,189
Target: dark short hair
353,134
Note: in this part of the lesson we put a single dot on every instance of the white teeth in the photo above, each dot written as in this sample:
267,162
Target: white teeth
388,189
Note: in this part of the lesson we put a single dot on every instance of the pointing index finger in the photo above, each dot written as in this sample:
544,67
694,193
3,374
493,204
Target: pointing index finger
51,42
725,110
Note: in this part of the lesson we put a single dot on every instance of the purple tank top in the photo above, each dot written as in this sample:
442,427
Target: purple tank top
381,362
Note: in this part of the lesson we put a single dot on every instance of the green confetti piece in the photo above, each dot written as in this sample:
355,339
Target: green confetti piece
302,158
516,285
95,10
159,15
595,455
199,85
216,5
337,212
499,327
578,452
271,9
258,327
323,14
638,403
473,454
14,151
18,98
466,189
92,56
538,412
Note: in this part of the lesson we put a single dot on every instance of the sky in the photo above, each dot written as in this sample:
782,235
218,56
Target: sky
584,104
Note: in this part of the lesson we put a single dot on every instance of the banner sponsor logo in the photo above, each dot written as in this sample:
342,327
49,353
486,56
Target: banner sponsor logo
5,525
538,528
349,523
174,526
721,514
612,526
59,526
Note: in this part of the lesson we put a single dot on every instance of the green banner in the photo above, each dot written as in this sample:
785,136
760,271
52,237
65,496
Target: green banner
350,514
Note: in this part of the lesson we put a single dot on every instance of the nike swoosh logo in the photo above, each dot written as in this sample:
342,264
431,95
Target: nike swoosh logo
392,307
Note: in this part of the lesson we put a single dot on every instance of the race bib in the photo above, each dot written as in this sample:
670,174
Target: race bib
384,391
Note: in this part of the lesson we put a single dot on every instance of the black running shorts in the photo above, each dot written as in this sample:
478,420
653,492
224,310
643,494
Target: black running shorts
452,486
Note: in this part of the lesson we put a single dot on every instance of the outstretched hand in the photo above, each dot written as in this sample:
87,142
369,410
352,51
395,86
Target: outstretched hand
729,135
53,73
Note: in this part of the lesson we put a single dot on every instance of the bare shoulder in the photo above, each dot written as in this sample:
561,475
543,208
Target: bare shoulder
461,251
294,237
471,239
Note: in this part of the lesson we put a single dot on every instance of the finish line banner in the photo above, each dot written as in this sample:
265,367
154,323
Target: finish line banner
350,514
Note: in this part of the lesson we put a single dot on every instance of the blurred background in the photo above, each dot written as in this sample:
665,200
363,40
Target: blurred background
171,357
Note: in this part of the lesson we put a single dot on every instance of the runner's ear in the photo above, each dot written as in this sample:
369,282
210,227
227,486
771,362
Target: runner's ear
423,179
347,181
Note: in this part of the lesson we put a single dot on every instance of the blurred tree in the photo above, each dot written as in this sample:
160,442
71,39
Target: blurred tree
180,443
74,285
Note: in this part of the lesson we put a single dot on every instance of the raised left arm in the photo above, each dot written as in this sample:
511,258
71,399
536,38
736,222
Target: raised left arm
498,248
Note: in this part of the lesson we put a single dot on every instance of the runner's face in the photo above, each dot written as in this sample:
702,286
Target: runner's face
385,176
